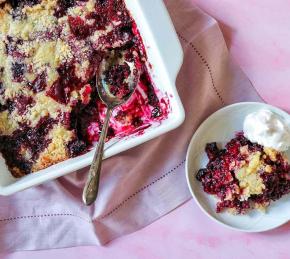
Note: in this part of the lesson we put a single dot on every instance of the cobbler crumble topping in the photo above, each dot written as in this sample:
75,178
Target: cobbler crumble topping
50,52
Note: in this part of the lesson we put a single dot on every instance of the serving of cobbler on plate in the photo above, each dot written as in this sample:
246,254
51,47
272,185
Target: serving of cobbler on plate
244,175
50,51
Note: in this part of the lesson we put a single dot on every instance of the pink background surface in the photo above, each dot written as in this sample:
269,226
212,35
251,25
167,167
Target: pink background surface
258,36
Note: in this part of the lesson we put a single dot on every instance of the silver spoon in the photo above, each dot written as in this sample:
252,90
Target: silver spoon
112,100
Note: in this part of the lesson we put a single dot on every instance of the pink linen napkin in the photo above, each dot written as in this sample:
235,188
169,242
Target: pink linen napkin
143,184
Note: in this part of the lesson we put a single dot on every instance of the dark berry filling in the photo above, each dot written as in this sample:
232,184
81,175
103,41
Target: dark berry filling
18,70
116,78
39,83
3,107
2,90
76,147
33,140
62,6
153,100
12,47
61,89
19,3
212,151
21,103
79,28
82,116
100,20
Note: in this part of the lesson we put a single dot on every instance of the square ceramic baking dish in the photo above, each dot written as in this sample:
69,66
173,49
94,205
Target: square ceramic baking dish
165,55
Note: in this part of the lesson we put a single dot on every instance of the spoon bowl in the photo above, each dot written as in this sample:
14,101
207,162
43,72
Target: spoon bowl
115,62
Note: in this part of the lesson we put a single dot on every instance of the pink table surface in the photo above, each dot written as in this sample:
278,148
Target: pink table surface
258,35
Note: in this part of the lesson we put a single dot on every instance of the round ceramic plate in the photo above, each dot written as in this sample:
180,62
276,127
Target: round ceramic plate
220,127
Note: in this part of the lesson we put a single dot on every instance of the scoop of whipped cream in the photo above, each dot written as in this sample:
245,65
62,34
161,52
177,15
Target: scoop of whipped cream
268,129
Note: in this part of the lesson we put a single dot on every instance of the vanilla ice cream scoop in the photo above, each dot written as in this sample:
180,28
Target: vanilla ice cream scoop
268,129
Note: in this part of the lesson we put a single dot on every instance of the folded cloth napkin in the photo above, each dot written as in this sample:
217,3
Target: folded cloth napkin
143,184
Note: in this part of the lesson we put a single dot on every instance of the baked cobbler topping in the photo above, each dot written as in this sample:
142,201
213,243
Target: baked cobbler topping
244,175
50,52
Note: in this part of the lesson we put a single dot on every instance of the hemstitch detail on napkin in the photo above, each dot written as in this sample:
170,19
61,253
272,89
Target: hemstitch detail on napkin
204,61
43,216
139,191
102,217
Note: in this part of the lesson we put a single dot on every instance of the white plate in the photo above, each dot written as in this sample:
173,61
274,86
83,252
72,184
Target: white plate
166,60
220,127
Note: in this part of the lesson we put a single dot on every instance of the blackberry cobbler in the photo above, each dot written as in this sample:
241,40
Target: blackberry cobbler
244,175
50,51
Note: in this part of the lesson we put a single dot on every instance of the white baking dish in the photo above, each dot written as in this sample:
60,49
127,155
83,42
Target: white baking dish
165,55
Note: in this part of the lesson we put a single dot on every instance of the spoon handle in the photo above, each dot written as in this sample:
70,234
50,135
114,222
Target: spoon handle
92,185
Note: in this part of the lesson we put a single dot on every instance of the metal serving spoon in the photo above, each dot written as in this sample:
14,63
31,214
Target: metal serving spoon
112,101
